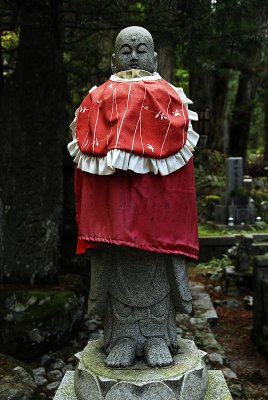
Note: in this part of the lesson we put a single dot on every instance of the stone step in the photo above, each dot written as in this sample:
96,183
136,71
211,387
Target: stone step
259,248
260,237
261,261
203,306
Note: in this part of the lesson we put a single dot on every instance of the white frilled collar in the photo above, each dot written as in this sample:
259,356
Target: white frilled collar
154,77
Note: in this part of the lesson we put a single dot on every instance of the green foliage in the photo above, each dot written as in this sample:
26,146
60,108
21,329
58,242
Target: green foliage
181,79
10,40
210,179
9,44
256,138
205,230
239,192
215,265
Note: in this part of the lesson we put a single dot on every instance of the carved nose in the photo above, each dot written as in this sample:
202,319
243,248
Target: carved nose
134,56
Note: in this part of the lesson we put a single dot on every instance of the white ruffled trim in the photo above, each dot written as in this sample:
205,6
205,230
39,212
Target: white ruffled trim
120,159
154,77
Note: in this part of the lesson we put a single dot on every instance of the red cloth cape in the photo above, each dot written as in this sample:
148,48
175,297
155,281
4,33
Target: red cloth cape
146,211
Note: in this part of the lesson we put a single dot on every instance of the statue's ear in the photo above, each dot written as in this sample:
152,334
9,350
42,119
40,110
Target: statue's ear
113,67
155,61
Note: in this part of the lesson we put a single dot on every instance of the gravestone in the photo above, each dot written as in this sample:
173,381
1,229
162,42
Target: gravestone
235,204
234,169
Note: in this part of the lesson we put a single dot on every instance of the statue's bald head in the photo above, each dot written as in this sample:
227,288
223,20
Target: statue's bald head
134,48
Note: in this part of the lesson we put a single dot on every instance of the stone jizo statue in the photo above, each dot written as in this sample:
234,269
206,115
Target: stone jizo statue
135,201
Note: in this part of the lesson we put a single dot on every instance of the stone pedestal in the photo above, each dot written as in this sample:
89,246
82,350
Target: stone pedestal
186,379
217,388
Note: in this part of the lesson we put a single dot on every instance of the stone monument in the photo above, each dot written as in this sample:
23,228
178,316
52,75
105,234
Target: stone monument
136,215
236,205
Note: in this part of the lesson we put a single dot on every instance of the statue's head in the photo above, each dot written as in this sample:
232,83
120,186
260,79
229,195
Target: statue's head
134,49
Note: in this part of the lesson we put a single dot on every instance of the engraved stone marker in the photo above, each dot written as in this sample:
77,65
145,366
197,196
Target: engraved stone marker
234,169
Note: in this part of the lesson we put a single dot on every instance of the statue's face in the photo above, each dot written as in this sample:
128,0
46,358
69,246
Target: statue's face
134,49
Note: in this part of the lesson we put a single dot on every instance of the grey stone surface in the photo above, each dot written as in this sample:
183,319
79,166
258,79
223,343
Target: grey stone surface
235,208
217,388
130,36
191,328
54,375
35,320
186,379
140,292
40,380
46,360
53,385
216,358
17,385
67,367
234,168
57,364
229,374
203,304
39,371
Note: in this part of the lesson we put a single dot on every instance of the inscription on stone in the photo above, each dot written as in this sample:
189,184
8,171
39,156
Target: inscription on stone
234,167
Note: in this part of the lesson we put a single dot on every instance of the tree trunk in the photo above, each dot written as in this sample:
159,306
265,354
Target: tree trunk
200,88
32,136
240,124
166,61
219,139
266,127
1,67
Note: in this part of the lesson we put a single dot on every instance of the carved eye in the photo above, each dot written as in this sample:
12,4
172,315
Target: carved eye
142,49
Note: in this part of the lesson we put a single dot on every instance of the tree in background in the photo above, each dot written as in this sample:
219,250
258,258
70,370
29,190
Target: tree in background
250,62
32,110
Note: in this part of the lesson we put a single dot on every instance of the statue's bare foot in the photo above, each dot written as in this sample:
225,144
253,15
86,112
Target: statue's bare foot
122,354
174,348
156,353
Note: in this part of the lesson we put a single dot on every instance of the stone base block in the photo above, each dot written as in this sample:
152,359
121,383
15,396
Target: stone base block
186,379
217,388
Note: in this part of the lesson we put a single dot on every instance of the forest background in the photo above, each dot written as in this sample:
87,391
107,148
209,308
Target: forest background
53,52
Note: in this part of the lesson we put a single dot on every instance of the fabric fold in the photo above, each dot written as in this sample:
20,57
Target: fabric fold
124,160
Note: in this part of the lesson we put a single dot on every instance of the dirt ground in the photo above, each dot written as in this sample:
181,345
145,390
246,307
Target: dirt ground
233,332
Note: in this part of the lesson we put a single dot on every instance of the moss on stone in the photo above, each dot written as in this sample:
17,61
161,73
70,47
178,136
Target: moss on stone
7,364
48,303
217,387
34,321
190,357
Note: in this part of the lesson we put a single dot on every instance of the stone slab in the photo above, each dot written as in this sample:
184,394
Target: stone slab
220,240
203,305
261,261
217,387
234,172
66,388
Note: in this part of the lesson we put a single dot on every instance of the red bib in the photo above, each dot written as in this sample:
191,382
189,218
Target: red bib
146,118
